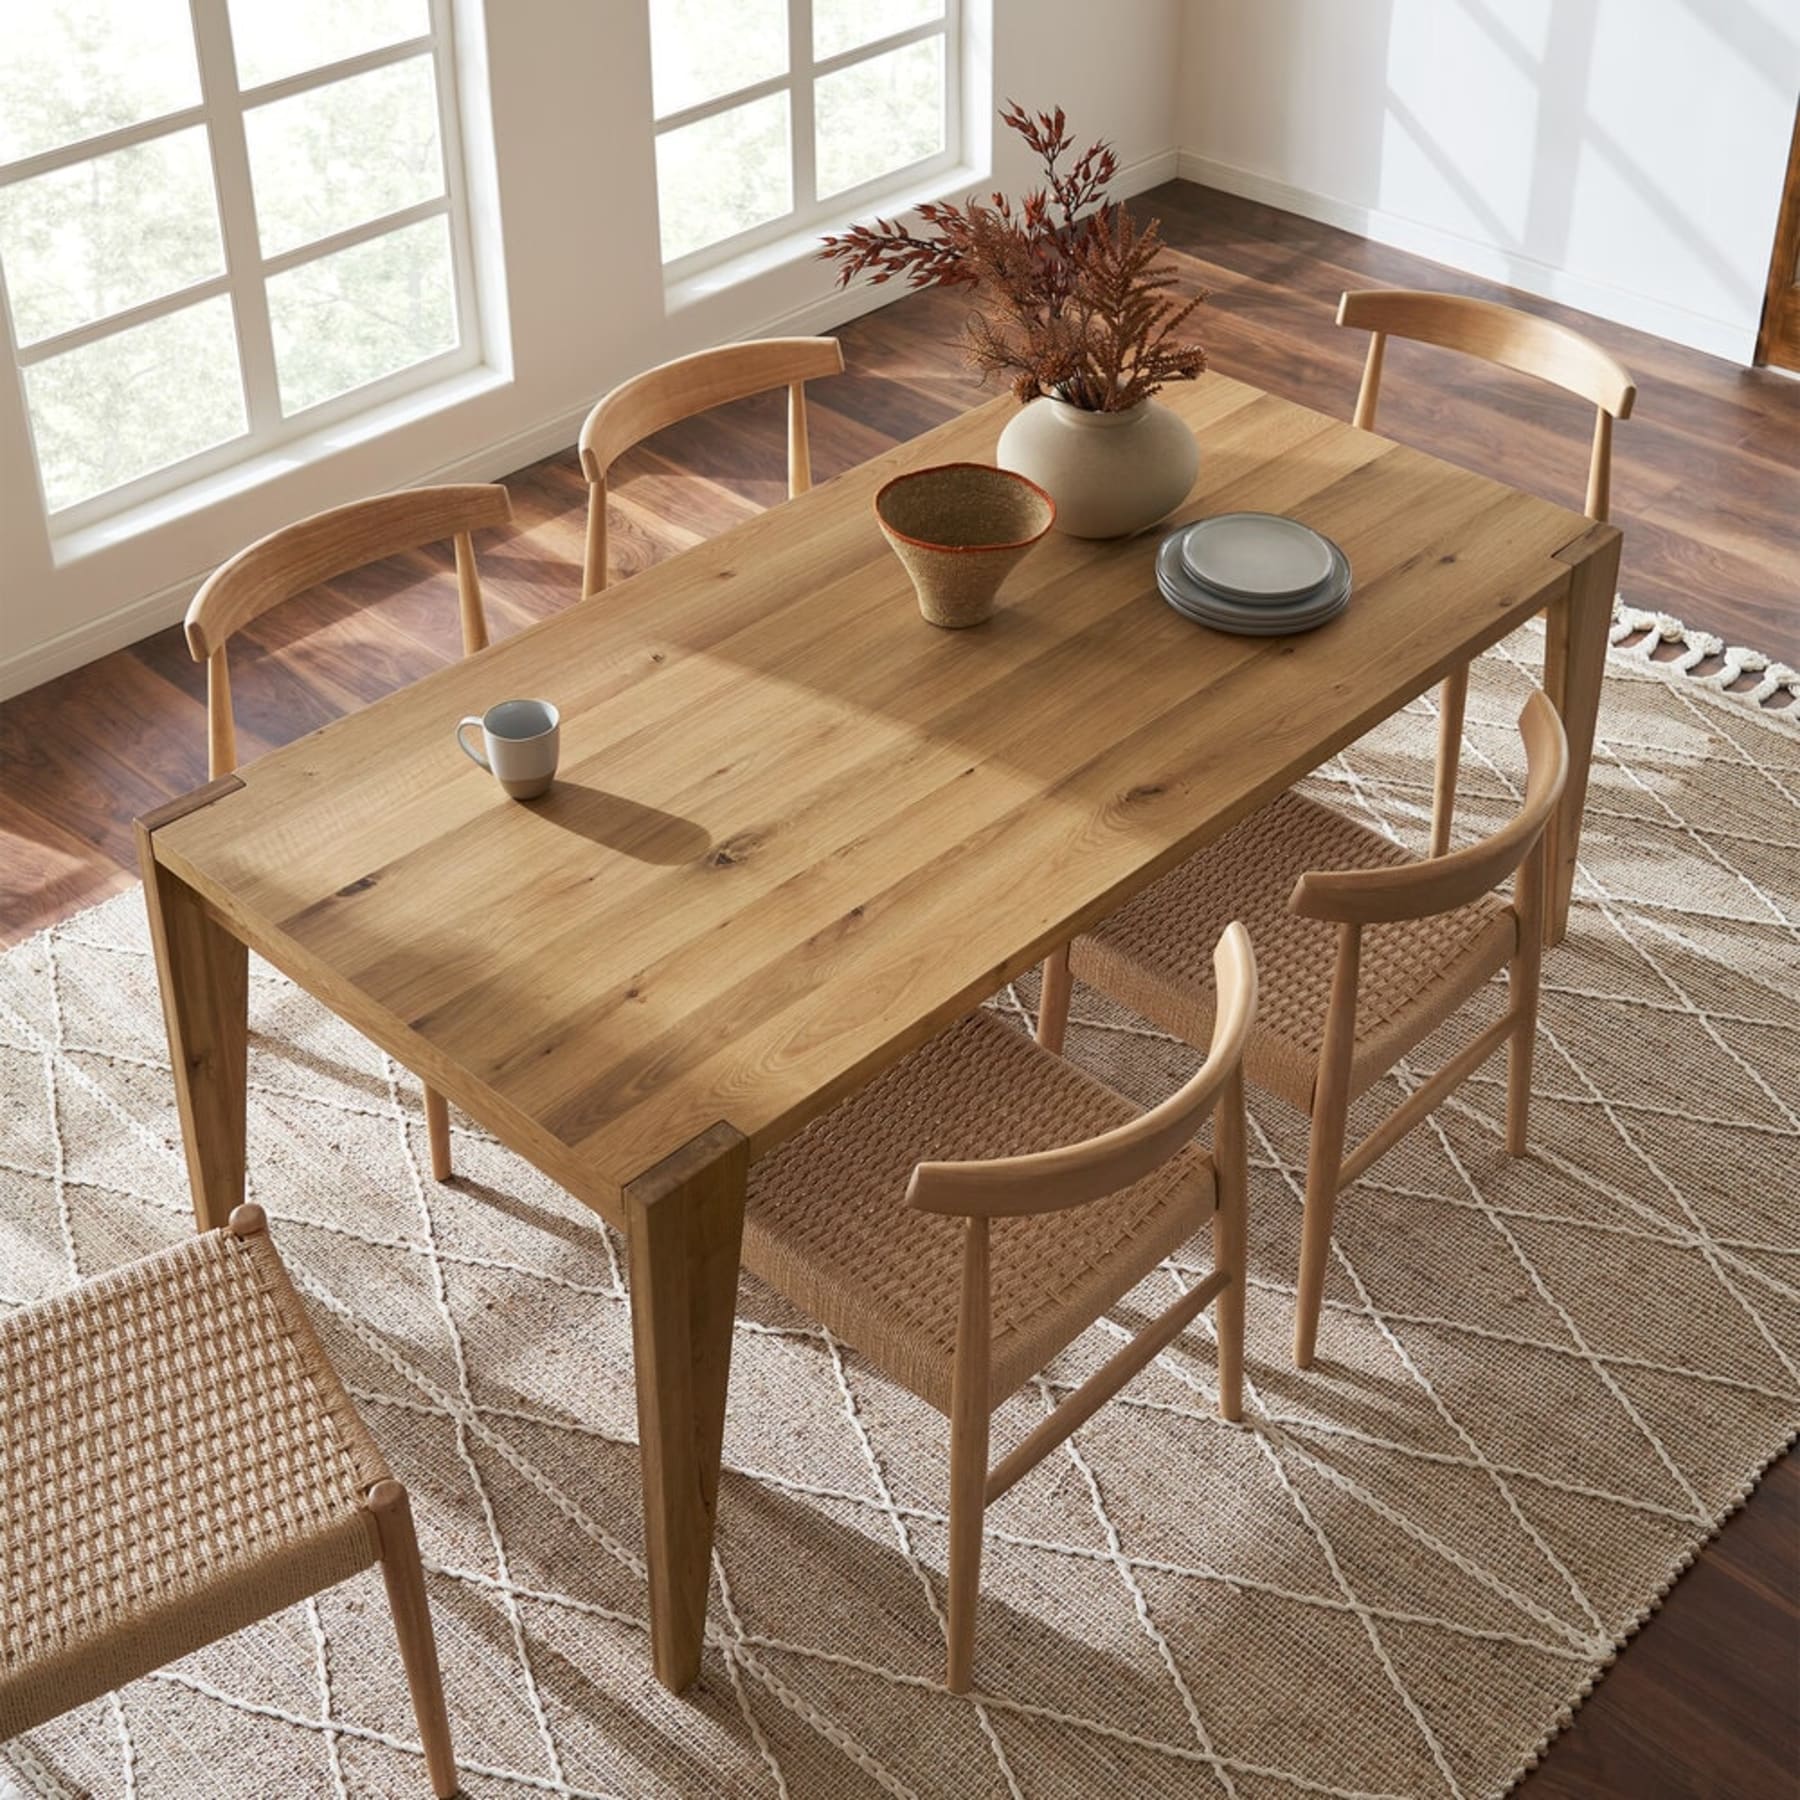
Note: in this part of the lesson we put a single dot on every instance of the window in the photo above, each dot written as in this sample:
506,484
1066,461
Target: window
223,223
774,114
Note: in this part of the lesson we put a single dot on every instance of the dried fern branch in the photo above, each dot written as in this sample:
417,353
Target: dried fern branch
1078,301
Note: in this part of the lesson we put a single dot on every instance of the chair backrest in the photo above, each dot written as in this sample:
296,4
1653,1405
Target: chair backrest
1443,883
1503,335
300,556
695,384
1049,1180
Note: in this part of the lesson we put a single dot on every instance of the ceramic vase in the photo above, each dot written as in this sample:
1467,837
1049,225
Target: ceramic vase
1110,474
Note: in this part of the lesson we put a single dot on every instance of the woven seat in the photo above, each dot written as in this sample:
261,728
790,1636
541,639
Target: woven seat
980,1205
1155,955
178,1459
1366,951
827,1223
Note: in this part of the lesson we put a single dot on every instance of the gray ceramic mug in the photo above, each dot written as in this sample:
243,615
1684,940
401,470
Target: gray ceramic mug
520,740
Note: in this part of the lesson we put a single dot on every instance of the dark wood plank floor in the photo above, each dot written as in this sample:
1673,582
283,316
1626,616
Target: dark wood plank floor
1706,486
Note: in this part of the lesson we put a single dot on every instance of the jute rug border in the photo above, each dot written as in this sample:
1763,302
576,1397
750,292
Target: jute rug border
1716,689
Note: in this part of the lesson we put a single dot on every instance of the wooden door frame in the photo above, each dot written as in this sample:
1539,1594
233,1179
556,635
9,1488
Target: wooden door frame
1778,337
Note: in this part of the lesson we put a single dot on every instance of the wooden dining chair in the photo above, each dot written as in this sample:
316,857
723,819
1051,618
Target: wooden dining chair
695,384
179,1459
1415,939
963,1274
1515,340
299,556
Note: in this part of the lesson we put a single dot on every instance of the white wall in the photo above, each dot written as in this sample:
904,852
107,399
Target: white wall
1623,156
572,229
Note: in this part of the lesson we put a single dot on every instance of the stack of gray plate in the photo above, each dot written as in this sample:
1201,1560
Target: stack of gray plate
1256,574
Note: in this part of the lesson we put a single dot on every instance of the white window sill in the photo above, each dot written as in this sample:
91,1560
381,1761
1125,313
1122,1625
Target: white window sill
224,484
798,246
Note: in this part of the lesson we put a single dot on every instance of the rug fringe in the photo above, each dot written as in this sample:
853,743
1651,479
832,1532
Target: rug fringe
1737,662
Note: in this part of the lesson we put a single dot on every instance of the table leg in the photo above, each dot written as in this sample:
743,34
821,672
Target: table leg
1575,640
684,1223
204,974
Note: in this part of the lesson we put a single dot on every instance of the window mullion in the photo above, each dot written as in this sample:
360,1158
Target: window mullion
345,68
722,103
953,76
78,337
105,143
456,173
237,214
800,81
800,114
315,249
895,40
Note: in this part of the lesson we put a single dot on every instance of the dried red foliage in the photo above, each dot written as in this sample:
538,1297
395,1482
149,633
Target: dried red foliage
1079,301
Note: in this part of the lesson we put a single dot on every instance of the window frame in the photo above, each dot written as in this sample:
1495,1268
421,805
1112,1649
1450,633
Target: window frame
220,112
808,211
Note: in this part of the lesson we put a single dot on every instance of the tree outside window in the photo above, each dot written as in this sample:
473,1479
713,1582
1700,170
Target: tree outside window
222,223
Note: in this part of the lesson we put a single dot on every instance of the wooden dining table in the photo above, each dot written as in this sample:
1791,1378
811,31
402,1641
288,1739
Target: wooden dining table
797,830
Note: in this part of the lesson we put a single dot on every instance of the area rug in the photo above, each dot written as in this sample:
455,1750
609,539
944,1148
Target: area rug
1542,1385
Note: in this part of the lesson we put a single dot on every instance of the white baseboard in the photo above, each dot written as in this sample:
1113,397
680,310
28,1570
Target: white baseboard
1725,338
1147,172
138,618
68,650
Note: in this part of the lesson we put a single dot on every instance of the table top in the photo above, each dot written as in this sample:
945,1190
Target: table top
796,829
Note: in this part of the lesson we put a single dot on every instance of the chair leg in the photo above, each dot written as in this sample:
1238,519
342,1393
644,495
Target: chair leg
1451,705
405,1580
1523,979
1325,1143
593,556
1324,1155
1518,1084
968,1506
1053,1000
1230,1235
437,1129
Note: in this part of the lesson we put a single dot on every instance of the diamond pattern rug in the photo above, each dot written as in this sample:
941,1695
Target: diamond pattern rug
1542,1385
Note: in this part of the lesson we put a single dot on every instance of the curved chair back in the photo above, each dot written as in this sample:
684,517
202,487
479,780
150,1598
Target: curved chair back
300,556
1050,1180
1503,335
695,384
1443,883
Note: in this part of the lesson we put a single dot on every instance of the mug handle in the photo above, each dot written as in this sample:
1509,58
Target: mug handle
473,755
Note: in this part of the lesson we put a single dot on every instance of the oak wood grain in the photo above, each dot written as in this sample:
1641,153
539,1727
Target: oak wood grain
870,792
301,555
684,1228
203,976
673,392
1574,665
404,1577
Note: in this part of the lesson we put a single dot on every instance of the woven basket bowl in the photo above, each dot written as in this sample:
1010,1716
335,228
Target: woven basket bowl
960,529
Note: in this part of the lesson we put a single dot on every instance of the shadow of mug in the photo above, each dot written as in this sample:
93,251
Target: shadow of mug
645,833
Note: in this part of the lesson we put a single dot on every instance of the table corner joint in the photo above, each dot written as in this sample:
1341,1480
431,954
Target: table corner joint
148,824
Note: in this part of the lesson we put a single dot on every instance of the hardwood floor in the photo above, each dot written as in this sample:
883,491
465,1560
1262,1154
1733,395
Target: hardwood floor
1705,1701
1707,489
